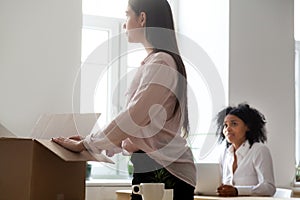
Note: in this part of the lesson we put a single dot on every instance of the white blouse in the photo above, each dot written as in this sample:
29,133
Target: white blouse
254,174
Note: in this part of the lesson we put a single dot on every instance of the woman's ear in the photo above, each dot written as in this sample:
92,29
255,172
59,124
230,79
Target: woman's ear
142,19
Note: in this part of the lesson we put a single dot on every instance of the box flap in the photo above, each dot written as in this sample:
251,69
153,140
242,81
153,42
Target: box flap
68,124
67,155
4,132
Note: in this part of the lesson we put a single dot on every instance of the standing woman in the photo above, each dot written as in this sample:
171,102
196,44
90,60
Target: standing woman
155,122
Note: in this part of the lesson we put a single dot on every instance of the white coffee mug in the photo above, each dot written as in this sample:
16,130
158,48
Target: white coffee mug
149,191
168,194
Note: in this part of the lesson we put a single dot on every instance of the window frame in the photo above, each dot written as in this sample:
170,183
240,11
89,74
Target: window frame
113,26
115,71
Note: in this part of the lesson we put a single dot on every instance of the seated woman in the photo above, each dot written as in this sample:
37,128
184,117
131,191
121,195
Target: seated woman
247,167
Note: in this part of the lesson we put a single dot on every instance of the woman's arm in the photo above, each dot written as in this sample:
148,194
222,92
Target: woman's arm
265,175
263,165
144,117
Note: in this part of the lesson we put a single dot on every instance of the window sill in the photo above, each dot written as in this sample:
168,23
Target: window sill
108,183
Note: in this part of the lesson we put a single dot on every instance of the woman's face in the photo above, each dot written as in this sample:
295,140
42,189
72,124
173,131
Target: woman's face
235,130
134,26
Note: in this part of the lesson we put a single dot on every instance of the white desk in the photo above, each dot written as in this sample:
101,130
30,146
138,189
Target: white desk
125,195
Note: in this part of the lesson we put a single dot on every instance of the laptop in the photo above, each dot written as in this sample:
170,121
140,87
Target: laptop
208,178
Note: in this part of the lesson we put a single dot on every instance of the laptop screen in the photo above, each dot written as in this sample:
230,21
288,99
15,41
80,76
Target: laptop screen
208,178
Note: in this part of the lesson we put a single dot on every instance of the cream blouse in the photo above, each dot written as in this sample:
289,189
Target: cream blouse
149,120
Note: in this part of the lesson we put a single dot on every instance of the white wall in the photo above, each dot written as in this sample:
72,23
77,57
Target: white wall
262,72
39,59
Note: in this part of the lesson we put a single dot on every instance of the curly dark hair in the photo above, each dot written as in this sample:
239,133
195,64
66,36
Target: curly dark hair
254,120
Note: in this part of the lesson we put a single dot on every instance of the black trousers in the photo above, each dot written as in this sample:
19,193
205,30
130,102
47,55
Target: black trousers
146,170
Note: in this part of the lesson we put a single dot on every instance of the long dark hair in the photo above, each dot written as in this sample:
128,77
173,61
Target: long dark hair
161,35
254,120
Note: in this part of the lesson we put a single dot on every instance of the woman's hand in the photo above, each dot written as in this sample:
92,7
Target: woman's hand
76,137
75,144
128,146
227,191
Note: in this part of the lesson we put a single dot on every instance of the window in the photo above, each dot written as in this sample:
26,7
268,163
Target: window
100,70
100,65
102,25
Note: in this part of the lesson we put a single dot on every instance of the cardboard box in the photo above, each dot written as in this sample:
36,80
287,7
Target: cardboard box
37,169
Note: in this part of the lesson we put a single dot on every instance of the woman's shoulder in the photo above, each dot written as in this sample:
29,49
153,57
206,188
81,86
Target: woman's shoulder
162,58
260,147
162,55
